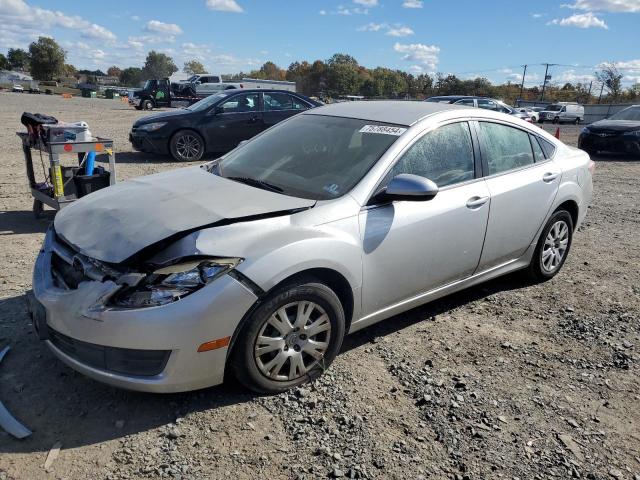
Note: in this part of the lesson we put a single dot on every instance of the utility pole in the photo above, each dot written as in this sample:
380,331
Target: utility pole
544,85
601,89
524,74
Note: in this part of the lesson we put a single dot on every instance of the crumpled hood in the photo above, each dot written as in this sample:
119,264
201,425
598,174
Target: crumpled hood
614,125
117,222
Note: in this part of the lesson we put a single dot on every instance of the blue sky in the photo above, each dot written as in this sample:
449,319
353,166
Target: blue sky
467,37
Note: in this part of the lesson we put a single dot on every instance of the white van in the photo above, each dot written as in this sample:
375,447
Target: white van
562,112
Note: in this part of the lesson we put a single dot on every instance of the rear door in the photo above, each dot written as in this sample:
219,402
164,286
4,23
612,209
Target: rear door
237,118
523,184
279,106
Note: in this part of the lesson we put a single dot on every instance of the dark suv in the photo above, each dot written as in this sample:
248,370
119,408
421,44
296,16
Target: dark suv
216,123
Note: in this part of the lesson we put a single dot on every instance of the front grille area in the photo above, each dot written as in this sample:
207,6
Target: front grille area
126,361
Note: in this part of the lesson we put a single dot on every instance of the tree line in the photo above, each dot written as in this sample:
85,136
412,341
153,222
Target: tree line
338,76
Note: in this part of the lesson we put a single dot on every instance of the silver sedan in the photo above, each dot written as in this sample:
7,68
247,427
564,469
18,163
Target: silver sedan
258,263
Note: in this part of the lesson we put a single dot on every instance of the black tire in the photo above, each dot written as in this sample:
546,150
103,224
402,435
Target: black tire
244,361
577,121
187,146
146,105
38,209
537,270
556,120
138,107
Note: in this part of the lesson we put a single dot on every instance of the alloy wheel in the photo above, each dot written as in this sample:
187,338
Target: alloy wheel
555,246
188,147
292,341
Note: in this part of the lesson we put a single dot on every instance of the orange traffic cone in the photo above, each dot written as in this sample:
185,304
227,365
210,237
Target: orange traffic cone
557,135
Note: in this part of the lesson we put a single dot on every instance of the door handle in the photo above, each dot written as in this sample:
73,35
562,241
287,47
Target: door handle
475,202
549,177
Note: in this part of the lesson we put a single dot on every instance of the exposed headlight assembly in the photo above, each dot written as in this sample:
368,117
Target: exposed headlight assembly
169,284
151,127
634,133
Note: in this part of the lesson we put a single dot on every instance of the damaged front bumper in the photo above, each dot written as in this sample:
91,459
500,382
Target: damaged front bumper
152,349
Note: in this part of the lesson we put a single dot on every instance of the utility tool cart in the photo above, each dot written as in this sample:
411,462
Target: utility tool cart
65,184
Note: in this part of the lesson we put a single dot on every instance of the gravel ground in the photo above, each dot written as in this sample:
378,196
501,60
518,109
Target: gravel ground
506,380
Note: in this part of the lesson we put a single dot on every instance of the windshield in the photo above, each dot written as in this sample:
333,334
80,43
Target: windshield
207,102
311,156
192,78
631,113
148,85
554,108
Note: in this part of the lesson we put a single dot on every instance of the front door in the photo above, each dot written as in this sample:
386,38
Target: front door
522,188
411,247
238,118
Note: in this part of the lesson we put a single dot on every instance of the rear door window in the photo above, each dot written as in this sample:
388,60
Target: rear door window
487,104
538,153
504,148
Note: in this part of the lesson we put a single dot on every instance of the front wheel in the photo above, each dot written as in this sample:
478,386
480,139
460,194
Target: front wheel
147,105
553,247
186,146
290,339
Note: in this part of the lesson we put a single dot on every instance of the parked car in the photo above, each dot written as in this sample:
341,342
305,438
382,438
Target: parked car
216,123
17,88
619,133
479,102
258,263
562,112
533,114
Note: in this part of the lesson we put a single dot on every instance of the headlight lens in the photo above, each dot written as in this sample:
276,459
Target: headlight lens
170,284
635,133
152,127
586,130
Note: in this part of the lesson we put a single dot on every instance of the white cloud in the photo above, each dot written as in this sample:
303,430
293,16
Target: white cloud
537,15
372,27
615,6
631,65
135,18
342,10
571,76
412,4
418,53
580,20
366,3
22,23
322,12
396,30
224,6
161,27
400,32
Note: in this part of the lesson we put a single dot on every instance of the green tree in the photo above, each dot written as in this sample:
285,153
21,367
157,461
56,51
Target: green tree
269,71
343,75
47,58
18,59
193,66
4,63
611,78
158,65
131,77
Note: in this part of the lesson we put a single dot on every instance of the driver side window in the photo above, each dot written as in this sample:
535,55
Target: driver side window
444,155
247,102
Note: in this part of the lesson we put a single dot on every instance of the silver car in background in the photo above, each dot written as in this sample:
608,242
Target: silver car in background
258,263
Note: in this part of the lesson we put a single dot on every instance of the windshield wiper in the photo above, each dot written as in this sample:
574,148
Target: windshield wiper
254,182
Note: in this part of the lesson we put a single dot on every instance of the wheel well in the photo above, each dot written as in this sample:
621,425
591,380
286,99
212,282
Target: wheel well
332,279
571,207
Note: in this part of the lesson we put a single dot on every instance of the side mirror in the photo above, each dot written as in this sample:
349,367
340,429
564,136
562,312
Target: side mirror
410,187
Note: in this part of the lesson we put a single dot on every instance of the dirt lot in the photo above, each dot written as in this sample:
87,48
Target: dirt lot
506,380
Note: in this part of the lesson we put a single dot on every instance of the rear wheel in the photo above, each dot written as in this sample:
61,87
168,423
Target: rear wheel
290,339
147,105
556,120
553,247
186,146
577,121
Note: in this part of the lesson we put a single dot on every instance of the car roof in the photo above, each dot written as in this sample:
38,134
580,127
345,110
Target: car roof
398,112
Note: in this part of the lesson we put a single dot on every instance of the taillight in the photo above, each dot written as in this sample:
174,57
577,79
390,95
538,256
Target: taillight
592,167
